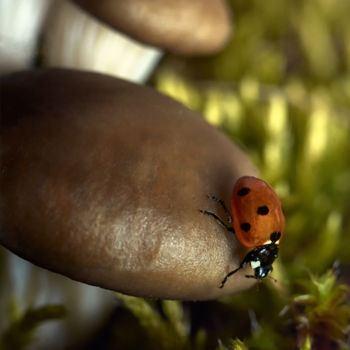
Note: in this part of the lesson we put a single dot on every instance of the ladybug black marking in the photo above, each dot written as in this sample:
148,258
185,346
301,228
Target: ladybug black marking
263,210
275,236
245,226
243,191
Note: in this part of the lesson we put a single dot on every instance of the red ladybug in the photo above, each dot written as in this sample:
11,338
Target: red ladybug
258,222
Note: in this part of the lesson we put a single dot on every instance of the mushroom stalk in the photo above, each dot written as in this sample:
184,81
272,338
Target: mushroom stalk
75,39
20,25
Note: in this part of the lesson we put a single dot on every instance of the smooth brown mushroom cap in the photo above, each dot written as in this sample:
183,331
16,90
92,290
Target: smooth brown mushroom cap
185,27
102,180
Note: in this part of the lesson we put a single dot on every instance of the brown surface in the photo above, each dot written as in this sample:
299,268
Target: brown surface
102,180
185,27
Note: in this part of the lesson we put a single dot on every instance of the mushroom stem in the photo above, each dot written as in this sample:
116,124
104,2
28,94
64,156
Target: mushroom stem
74,39
20,25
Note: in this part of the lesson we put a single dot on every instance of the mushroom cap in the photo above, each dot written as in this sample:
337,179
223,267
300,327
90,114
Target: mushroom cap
184,27
102,180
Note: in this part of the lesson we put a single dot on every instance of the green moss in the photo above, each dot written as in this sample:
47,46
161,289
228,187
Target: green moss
319,310
21,330
310,311
236,344
165,323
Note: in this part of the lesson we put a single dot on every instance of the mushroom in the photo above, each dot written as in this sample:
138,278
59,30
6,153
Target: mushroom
102,180
75,39
20,24
125,38
183,27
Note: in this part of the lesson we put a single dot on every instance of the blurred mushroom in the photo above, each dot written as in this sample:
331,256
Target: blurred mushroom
184,27
129,41
74,39
102,180
20,24
28,287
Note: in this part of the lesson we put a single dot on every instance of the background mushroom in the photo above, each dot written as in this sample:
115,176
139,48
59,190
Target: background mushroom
73,38
132,35
21,23
187,28
124,38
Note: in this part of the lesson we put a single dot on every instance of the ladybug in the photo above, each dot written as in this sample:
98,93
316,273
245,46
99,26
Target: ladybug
258,223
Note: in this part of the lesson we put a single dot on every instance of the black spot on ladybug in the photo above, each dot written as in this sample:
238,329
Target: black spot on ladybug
243,191
275,236
263,210
245,226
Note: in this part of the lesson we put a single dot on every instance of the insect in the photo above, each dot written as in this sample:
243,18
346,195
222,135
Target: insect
258,223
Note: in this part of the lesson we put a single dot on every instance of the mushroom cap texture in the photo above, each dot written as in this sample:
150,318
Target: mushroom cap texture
102,180
184,27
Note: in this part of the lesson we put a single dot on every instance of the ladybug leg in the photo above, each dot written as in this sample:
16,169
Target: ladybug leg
243,264
228,275
228,215
251,276
205,212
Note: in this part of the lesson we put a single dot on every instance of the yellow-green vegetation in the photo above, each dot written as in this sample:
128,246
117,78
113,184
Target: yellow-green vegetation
296,131
320,313
281,90
311,312
164,324
20,332
299,141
